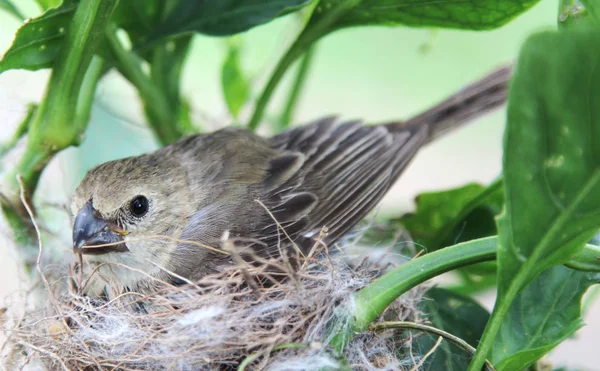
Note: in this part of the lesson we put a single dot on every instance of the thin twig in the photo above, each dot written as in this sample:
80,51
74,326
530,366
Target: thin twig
49,354
40,244
424,358
382,326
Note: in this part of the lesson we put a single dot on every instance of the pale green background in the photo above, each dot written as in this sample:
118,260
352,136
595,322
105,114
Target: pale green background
374,73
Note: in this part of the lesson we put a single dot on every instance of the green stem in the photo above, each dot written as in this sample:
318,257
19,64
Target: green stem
12,9
372,300
161,117
297,86
21,130
52,127
86,96
167,64
501,307
588,260
316,28
284,63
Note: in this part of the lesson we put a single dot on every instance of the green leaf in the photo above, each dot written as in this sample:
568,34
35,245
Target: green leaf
11,8
456,314
47,4
551,164
38,41
140,18
471,15
448,217
224,17
547,312
593,8
236,88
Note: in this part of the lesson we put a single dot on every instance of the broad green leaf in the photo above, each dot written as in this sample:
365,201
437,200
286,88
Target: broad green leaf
37,41
236,88
546,312
456,314
470,14
224,17
551,164
8,6
449,217
140,18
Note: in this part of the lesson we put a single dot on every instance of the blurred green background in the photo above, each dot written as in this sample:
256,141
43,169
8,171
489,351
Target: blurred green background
373,73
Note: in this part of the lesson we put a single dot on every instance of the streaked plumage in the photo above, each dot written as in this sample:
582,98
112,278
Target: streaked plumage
325,174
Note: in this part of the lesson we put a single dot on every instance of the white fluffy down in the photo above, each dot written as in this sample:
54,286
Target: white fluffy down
218,323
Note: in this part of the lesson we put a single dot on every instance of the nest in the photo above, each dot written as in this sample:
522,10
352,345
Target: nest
229,320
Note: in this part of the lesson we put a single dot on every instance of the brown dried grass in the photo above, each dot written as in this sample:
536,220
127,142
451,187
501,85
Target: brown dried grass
213,324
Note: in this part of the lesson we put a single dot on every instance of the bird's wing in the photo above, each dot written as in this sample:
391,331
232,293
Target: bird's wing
331,175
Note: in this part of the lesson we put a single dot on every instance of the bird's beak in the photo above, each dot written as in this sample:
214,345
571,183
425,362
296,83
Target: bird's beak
94,236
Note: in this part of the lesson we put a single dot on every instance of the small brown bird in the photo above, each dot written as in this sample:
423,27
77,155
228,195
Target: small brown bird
269,193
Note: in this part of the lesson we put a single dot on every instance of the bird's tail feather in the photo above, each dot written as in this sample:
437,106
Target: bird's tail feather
469,103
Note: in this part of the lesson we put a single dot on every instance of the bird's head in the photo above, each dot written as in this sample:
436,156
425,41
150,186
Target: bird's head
124,209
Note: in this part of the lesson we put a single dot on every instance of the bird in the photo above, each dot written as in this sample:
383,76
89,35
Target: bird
162,216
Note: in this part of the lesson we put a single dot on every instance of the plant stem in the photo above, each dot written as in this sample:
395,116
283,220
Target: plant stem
166,67
280,69
501,307
297,86
321,23
12,9
54,125
161,117
588,260
21,130
370,302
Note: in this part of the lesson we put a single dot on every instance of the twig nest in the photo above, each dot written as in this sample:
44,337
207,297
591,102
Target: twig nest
224,321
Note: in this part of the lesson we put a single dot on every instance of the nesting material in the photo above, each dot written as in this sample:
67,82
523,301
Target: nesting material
224,321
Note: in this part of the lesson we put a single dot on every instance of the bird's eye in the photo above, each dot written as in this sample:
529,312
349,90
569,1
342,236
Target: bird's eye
139,206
